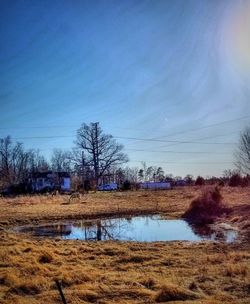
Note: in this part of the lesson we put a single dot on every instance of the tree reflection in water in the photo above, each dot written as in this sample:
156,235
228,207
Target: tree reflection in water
147,228
103,230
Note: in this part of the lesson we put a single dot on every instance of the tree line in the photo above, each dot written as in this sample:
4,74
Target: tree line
99,158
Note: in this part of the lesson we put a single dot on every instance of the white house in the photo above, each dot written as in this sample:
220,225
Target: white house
46,181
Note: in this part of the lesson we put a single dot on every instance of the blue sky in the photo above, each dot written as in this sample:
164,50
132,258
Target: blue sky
144,69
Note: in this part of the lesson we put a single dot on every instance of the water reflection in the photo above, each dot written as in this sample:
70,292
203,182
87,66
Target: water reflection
144,228
215,233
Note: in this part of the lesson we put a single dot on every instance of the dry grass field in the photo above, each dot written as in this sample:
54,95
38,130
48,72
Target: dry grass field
122,272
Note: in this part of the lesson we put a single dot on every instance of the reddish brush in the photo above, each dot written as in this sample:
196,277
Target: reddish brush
206,207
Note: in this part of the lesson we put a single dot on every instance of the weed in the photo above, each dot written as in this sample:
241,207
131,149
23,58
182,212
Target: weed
171,292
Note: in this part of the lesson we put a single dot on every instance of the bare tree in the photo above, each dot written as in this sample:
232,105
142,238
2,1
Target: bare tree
37,162
101,150
242,154
61,161
131,174
5,154
13,162
16,164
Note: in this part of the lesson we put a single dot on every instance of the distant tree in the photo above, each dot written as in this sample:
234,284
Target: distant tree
227,173
242,154
61,161
169,178
160,174
235,180
120,176
37,162
101,150
150,173
16,163
189,179
87,185
245,181
177,178
199,181
134,174
126,185
213,180
141,175
131,174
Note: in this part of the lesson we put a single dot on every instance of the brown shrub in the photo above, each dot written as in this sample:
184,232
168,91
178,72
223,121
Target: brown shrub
236,269
207,207
45,257
174,293
149,283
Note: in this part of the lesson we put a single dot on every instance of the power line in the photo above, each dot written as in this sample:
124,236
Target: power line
77,126
207,126
144,139
175,141
181,163
204,127
157,151
202,138
128,138
179,152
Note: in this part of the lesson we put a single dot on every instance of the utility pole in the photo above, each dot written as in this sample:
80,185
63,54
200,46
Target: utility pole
96,153
83,167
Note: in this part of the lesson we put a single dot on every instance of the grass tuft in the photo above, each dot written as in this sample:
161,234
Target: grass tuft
236,270
149,283
174,293
45,257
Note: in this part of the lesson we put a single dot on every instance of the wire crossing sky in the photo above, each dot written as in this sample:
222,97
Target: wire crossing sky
172,73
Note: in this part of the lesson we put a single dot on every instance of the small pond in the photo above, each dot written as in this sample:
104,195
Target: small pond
139,228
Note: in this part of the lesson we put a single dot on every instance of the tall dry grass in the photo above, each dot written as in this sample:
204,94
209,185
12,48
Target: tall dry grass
206,207
124,272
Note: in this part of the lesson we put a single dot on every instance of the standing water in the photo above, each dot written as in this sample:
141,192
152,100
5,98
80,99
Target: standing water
141,228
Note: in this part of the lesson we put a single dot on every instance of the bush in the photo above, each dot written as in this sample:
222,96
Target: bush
235,180
206,208
87,185
126,185
245,181
199,181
